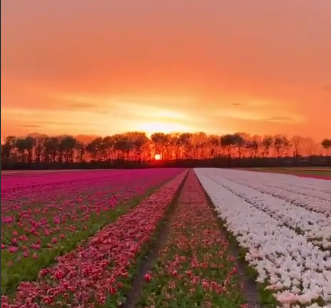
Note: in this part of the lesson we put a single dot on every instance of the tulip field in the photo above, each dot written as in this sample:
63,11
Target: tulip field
283,223
43,217
165,238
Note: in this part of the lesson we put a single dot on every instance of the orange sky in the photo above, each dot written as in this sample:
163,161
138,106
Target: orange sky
101,66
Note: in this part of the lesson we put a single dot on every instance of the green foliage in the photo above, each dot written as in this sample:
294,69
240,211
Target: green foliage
27,269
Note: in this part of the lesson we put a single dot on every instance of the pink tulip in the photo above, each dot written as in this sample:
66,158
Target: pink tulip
12,249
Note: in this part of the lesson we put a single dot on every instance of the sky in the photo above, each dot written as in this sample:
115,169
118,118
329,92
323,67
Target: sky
101,67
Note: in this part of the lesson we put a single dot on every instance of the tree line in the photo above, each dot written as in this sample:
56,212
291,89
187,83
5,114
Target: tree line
134,149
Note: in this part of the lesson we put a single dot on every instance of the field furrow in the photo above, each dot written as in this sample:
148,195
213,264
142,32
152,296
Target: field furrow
298,272
316,227
153,238
97,272
42,225
194,267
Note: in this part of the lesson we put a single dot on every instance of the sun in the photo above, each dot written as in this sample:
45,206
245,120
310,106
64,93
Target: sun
157,156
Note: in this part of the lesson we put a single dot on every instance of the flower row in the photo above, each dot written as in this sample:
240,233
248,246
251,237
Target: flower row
194,267
23,180
95,272
295,269
312,194
314,226
44,223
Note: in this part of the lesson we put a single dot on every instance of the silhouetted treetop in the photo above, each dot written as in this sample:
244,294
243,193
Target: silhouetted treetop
136,146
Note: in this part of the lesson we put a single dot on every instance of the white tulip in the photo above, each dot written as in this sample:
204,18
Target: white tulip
305,299
262,211
287,297
295,290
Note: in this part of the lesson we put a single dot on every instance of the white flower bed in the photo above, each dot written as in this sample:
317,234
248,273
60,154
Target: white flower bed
313,203
315,226
300,191
293,182
298,271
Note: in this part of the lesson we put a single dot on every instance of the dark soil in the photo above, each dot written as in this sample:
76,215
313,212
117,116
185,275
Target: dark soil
250,288
149,259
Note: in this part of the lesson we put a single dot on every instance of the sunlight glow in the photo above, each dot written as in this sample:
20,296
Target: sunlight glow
163,127
157,156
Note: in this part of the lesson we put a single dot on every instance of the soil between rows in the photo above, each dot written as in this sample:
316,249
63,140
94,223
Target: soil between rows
148,260
250,289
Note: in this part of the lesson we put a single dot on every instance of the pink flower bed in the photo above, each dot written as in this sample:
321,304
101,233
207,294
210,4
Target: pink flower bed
24,180
94,273
194,267
319,177
38,223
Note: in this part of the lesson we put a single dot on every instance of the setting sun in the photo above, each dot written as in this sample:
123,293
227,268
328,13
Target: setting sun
137,131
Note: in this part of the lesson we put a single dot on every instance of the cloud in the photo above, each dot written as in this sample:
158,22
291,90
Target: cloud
284,119
327,88
260,114
78,123
240,114
30,126
237,104
90,107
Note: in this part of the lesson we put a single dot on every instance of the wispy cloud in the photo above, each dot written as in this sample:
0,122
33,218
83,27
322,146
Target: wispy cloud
88,107
240,114
284,119
260,114
30,126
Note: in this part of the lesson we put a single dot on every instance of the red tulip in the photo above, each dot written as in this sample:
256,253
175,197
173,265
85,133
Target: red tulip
148,277
100,265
